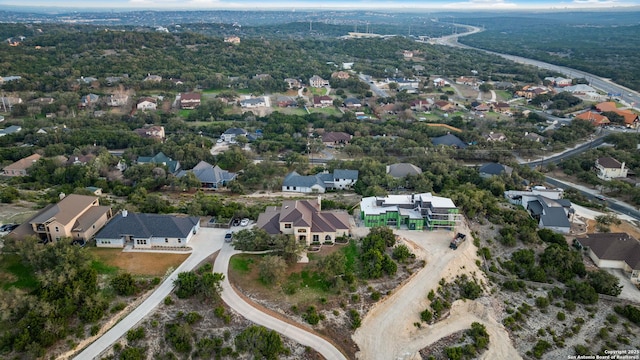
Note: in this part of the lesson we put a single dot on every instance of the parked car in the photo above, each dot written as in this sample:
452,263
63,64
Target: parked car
600,197
235,222
228,236
8,227
244,222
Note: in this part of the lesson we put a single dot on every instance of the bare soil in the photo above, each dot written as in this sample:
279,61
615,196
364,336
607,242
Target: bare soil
138,263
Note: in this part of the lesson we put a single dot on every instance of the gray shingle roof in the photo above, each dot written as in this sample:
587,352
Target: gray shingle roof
401,170
449,140
147,225
614,246
295,179
345,174
494,169
160,158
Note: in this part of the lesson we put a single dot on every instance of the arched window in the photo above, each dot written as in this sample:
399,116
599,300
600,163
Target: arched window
327,238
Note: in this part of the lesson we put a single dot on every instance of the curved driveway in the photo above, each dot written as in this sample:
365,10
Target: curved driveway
237,303
206,242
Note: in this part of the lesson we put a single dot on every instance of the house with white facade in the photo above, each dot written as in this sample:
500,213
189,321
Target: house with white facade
147,231
608,168
253,102
546,206
316,81
340,179
147,103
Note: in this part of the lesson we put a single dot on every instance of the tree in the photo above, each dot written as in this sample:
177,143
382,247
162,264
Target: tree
261,342
604,282
401,253
581,292
485,87
124,284
272,269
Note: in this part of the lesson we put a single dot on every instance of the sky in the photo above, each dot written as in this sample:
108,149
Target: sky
445,5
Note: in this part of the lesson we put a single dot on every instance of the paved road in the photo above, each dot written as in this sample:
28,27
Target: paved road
374,88
613,204
206,242
556,158
231,298
627,96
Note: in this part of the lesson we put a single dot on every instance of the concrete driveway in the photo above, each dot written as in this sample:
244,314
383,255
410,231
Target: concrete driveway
231,298
206,242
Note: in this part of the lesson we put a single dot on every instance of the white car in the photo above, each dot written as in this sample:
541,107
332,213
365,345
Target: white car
219,141
244,222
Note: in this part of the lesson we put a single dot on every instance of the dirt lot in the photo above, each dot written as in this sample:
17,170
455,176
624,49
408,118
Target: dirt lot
17,212
137,263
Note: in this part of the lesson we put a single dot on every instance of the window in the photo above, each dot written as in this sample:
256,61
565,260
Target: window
179,241
294,188
316,237
302,230
327,238
287,226
94,226
166,240
57,229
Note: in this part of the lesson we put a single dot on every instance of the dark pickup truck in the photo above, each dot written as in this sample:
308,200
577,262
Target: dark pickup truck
459,239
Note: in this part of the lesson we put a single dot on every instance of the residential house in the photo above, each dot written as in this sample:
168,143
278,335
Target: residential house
111,80
78,217
415,211
352,103
531,91
151,131
630,118
211,177
467,80
97,191
401,170
161,159
190,101
232,39
12,129
253,102
503,85
231,134
153,78
407,54
594,118
320,183
404,83
482,107
342,75
449,140
147,231
606,106
147,103
440,82
559,81
80,159
316,81
88,100
322,101
608,168
494,169
20,167
614,251
293,83
176,82
336,138
261,77
42,101
534,137
502,107
87,80
421,104
286,101
6,79
347,66
491,136
117,100
546,206
306,221
443,105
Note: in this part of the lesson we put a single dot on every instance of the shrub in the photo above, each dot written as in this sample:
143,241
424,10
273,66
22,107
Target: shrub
426,316
136,334
168,300
311,316
542,302
541,347
561,316
124,284
354,317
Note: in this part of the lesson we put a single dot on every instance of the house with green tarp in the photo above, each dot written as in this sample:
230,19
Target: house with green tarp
415,212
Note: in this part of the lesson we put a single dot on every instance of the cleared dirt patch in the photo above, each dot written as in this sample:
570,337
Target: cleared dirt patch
150,264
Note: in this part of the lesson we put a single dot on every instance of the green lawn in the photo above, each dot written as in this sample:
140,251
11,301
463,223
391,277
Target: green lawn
503,95
13,273
184,113
241,263
331,110
351,253
103,268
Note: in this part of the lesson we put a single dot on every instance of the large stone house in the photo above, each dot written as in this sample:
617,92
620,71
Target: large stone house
305,220
211,177
546,206
316,81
